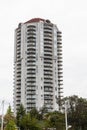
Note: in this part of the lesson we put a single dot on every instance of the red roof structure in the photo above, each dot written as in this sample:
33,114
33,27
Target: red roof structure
35,20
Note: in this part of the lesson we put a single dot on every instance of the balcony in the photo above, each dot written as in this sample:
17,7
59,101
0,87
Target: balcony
31,35
31,88
31,80
31,56
48,32
59,43
31,60
48,93
59,61
48,49
18,68
48,84
48,97
48,53
31,26
47,89
29,71
48,70
30,68
59,39
33,84
31,47
30,106
31,32
48,66
48,27
31,97
48,56
31,44
31,92
31,101
47,38
31,76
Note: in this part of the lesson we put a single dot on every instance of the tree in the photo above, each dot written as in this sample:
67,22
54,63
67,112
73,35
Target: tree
20,115
34,113
10,125
55,120
9,120
42,112
77,112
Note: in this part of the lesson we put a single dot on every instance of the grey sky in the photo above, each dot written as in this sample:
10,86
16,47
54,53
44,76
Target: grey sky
70,17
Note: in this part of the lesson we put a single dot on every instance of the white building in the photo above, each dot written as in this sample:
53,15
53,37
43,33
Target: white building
37,65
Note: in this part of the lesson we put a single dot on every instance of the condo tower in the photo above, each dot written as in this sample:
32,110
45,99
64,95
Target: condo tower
37,65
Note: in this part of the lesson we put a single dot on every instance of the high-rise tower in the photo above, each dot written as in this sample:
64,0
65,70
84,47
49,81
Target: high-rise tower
37,65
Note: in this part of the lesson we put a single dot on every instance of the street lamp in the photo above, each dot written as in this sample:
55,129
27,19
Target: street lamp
66,122
66,115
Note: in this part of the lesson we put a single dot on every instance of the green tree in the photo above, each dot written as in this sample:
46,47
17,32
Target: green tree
9,120
55,120
20,115
34,113
42,112
77,112
10,125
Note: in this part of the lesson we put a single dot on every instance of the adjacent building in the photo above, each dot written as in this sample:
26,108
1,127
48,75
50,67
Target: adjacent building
37,65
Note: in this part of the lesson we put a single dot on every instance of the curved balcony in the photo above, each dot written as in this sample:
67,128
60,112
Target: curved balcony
31,88
31,56
18,91
59,39
31,40
49,62
31,32
48,83
18,63
47,54
32,84
48,30
31,67
48,78
31,37
49,38
59,46
31,71
48,93
48,27
18,68
47,89
31,76
31,92
31,47
31,80
48,97
31,26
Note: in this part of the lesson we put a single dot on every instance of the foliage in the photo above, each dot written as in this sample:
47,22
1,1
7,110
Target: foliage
37,120
20,116
56,120
9,115
34,113
9,120
10,126
77,113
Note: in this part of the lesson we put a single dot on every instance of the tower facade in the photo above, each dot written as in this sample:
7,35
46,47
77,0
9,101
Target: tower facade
37,65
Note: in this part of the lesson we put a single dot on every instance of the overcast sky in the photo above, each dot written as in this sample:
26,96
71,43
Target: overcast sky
71,18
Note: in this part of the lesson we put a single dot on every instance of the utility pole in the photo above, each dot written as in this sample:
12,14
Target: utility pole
66,115
2,115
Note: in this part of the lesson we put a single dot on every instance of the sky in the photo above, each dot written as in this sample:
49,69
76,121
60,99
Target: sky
70,16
